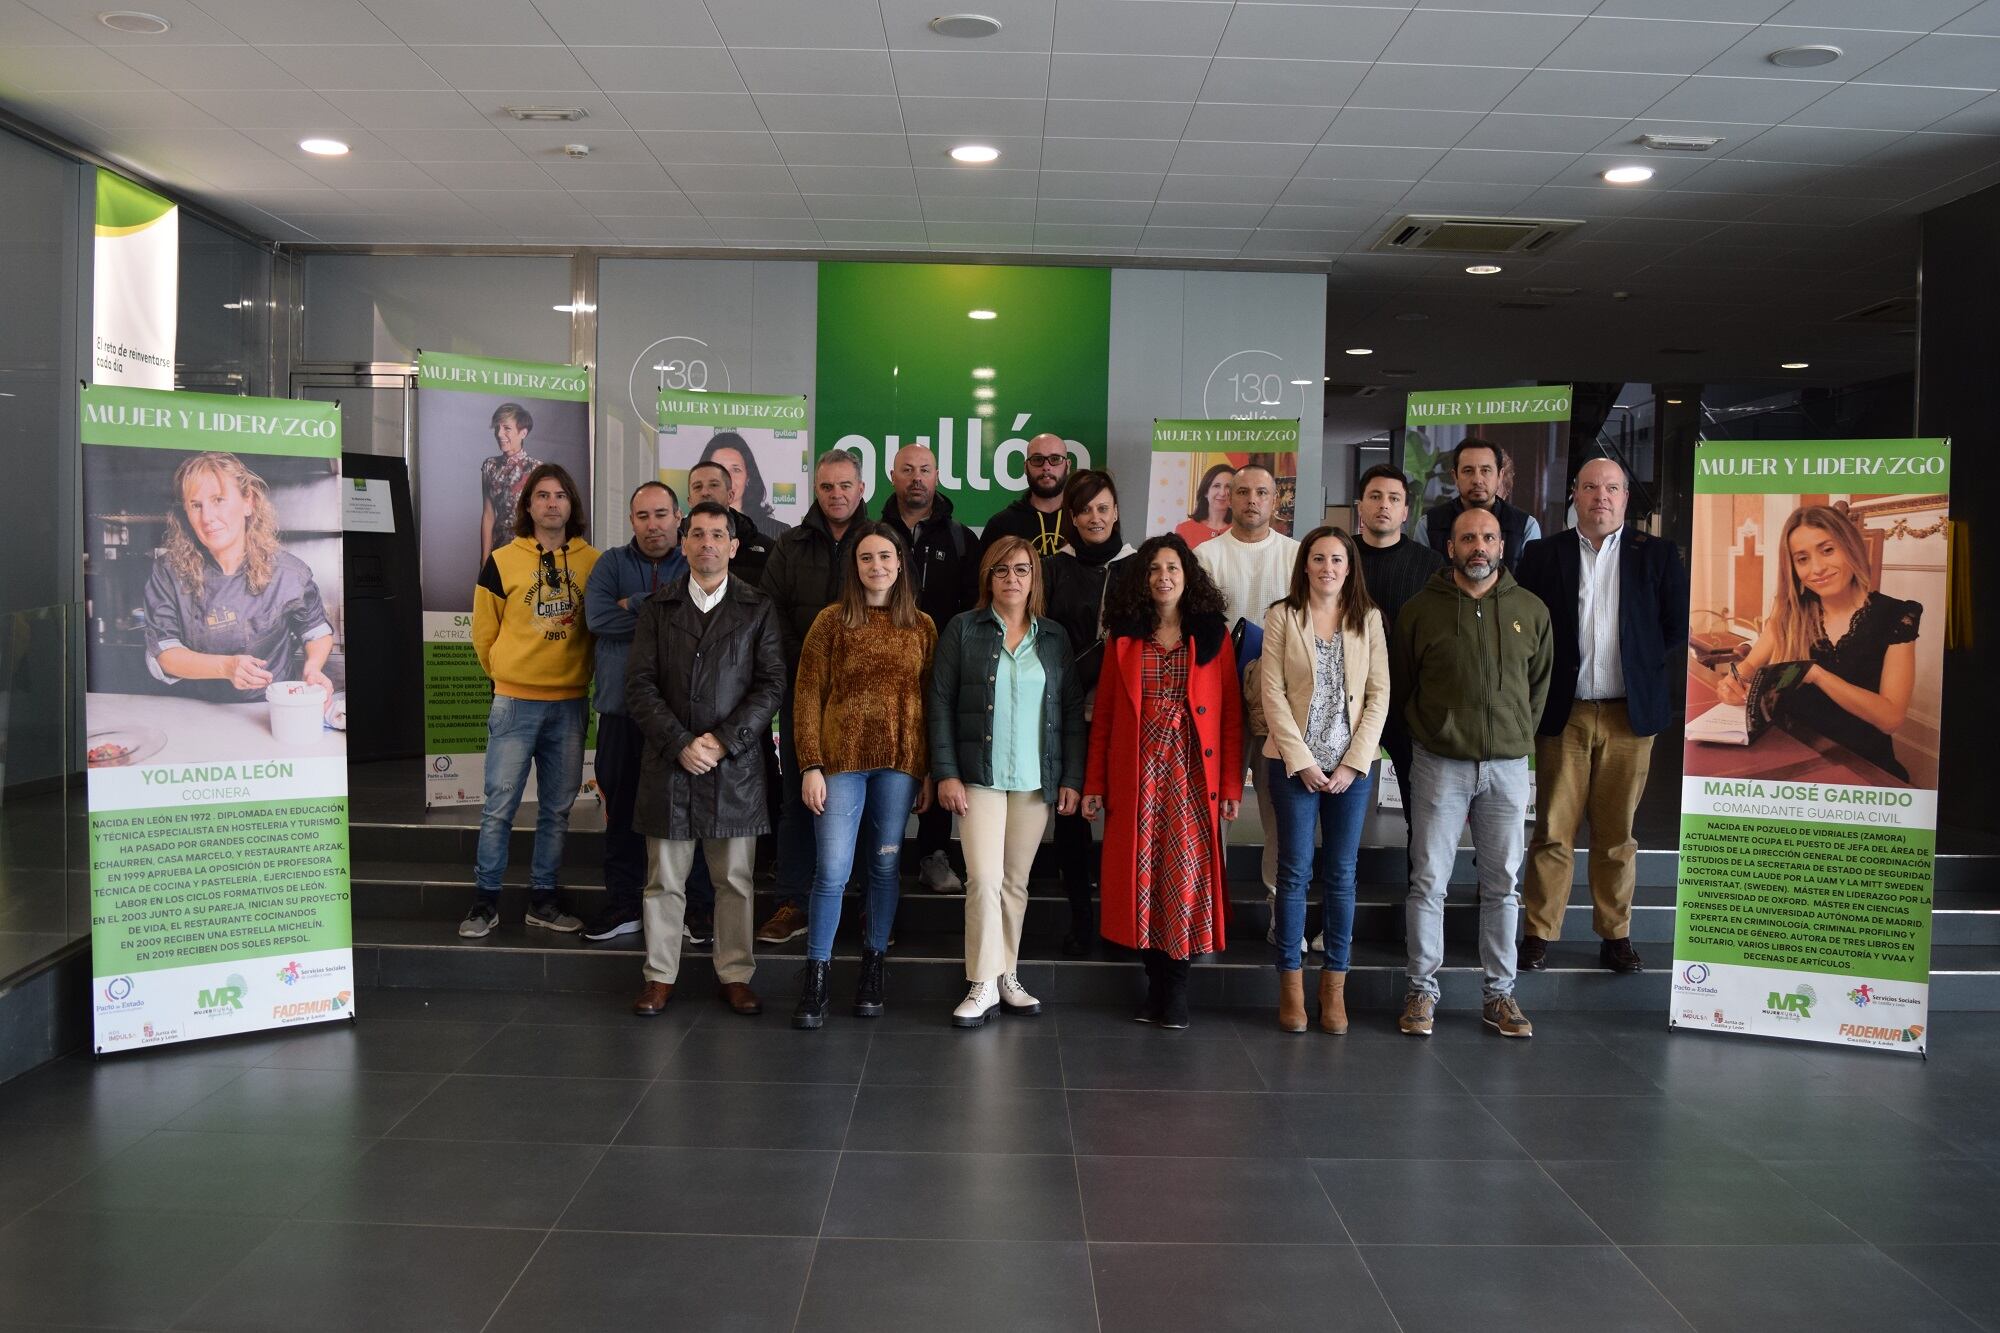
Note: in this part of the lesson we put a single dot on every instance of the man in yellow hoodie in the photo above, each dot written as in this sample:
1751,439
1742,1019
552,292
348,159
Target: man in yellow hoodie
528,629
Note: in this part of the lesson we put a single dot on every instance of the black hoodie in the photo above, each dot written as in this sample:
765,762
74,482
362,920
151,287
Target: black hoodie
944,559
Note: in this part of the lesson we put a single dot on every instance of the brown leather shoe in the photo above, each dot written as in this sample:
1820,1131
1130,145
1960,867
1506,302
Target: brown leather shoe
740,998
1291,1001
652,1001
1533,955
1333,1003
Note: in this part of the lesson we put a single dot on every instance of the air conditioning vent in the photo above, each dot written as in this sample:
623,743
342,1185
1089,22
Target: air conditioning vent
1431,232
1895,310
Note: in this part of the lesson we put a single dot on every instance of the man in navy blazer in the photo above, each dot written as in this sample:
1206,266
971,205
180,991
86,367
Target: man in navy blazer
1618,605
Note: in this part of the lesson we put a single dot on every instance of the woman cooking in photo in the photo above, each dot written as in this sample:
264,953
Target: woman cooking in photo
228,610
1861,642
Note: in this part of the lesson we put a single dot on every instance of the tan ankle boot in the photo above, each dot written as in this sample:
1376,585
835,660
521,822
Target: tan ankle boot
1292,1001
1333,1002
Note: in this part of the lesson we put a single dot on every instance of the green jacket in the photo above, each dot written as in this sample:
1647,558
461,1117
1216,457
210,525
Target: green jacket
1470,674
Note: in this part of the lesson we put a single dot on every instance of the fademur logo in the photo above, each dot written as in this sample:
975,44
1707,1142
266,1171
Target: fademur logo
1869,1032
1796,1003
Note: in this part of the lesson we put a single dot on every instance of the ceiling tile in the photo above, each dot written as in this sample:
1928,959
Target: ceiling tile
661,231
1644,46
1239,159
1981,20
856,180
1321,218
1670,170
688,111
1141,27
1205,189
185,68
733,180
1443,38
1542,134
613,23
304,21
1093,212
267,110
528,68
1794,143
1005,116
988,181
747,147
1138,77
516,175
34,69
500,22
1180,213
1235,123
735,205
1296,244
635,203
488,145
1198,238
971,73
1579,201
1562,92
1479,197
1885,106
1949,155
1281,82
1366,127
851,24
264,173
1724,11
1742,100
606,145
1498,166
978,208
1345,192
416,111
1069,119
131,108
1101,185
844,150
1904,15
982,233
1655,231
1025,25
351,176
1086,234
1435,87
831,114
190,25
1818,209
1749,57
934,150
1743,176
893,207
1942,62
1406,164
584,176
839,232
806,72
600,113
659,69
358,68
1311,32
767,230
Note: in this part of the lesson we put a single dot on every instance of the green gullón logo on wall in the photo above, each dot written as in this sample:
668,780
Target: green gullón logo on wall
973,361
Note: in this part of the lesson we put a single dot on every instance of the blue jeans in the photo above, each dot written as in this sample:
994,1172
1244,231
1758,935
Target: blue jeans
1495,792
548,732
876,803
1338,816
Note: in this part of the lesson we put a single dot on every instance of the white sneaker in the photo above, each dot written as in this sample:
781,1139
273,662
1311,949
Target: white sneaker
1271,912
979,1002
1318,944
1016,1000
935,875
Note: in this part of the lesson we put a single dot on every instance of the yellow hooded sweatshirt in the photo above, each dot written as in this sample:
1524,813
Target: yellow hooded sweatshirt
527,619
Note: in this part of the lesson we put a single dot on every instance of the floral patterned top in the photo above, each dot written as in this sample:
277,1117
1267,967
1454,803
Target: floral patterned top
500,478
1327,729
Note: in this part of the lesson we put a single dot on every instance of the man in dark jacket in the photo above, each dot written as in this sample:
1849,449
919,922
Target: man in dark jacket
1475,651
1476,465
944,569
710,481
1618,597
1394,566
1037,517
802,579
704,676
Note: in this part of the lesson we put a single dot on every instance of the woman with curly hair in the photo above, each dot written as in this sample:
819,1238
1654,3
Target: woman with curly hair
227,610
1165,768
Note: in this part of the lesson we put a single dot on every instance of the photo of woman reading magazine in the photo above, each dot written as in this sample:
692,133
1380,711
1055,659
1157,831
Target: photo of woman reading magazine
1858,644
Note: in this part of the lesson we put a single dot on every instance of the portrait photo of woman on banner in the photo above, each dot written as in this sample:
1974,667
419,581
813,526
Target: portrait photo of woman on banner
747,492
501,475
1210,515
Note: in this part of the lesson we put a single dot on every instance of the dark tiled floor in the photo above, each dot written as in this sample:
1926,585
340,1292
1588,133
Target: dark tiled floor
499,1164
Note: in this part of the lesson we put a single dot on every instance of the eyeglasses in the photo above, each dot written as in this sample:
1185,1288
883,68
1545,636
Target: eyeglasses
1022,572
1048,460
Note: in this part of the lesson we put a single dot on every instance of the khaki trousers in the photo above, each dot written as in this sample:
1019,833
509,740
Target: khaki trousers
999,833
663,907
1596,767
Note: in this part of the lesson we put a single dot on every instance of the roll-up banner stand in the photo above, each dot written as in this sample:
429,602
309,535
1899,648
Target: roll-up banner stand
1809,782
482,426
215,710
759,439
1195,460
135,285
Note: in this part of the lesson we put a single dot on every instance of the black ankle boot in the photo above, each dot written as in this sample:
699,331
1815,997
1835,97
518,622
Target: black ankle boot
1174,1009
868,990
1156,987
811,1009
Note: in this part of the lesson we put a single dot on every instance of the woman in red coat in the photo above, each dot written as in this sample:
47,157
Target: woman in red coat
1164,769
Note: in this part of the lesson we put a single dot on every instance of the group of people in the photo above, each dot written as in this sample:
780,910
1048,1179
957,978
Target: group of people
1047,670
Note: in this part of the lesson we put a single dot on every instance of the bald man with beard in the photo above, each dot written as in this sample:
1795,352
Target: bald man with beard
1038,517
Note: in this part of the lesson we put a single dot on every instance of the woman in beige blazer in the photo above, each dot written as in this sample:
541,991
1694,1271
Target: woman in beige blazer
1325,695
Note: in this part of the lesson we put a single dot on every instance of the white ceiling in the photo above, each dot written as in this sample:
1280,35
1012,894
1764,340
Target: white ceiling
1201,129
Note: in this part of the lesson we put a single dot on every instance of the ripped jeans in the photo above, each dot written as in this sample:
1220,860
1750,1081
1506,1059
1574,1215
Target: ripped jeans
876,805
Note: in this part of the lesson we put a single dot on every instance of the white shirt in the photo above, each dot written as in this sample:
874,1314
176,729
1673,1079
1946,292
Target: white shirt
1600,674
1252,575
705,602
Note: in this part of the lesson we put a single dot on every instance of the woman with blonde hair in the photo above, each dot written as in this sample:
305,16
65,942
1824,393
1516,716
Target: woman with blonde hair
1861,642
1325,696
228,610
864,755
1007,742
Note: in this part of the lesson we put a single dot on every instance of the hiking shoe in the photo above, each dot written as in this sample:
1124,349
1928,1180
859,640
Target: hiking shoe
1419,1011
699,928
612,922
935,875
1014,997
1619,956
550,916
479,922
1505,1017
783,926
981,999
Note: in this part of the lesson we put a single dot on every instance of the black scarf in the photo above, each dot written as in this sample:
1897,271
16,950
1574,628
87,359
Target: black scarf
1093,555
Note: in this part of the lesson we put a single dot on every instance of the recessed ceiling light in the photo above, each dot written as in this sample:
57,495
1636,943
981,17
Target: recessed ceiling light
324,147
133,21
234,305
1679,143
965,25
1793,365
1361,351
1628,175
982,372
1306,382
975,152
545,112
1811,56
981,314
1673,402
1482,270
580,308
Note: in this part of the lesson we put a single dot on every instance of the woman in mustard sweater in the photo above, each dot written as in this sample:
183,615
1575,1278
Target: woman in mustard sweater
863,756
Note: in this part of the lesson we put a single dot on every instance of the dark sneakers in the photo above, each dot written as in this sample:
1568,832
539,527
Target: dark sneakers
1533,955
1619,956
699,928
612,922
479,922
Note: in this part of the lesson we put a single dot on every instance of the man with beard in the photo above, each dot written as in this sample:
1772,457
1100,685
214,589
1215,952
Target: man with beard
944,570
709,483
1475,652
1038,517
1476,465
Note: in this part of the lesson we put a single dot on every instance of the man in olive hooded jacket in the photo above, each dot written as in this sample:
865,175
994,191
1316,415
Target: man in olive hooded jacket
1470,658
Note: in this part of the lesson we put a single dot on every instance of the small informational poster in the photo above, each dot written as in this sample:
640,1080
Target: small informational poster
759,441
1194,463
1529,424
135,285
365,505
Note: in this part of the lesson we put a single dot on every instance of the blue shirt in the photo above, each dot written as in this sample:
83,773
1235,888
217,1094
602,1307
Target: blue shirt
1018,685
624,574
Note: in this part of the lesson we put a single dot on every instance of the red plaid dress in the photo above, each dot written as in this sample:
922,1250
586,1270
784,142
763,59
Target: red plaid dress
1174,891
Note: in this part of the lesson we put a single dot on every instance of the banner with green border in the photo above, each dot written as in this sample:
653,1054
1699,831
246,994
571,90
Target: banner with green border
486,374
1227,435
135,284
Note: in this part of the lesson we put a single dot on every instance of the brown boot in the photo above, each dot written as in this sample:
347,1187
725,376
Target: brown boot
740,998
1333,1003
1292,1001
652,1001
